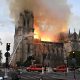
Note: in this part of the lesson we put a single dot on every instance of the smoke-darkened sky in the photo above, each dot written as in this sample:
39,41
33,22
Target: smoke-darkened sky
54,13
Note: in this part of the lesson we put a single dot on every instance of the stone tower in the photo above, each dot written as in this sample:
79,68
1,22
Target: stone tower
23,37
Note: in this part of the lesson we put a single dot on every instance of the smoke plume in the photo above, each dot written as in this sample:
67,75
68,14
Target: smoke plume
51,15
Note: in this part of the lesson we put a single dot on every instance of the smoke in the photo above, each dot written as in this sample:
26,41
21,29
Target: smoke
51,15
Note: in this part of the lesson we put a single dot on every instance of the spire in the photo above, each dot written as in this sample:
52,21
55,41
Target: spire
69,32
75,35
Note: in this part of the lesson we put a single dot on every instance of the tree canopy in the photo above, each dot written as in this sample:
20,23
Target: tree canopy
74,55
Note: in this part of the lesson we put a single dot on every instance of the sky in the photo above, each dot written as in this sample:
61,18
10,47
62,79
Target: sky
7,26
75,17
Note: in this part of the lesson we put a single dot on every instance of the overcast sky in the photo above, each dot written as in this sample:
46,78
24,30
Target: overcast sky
7,25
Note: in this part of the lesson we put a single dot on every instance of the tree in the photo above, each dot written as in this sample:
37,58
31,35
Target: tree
18,63
76,55
0,57
0,53
1,41
28,62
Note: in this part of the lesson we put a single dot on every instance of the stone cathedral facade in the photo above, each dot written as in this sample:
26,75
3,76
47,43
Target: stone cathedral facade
51,53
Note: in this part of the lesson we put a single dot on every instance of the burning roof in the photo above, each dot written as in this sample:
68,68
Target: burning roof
50,16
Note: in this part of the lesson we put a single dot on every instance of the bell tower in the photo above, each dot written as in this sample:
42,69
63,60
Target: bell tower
28,22
23,39
28,35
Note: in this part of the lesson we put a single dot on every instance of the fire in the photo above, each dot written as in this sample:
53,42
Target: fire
36,32
38,35
46,38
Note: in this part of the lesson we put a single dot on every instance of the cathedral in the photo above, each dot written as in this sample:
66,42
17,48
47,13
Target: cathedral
50,53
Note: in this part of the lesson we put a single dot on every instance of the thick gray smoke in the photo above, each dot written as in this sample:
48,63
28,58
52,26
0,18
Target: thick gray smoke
51,15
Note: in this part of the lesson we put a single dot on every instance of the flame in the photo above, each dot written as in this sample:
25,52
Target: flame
46,38
56,12
39,35
36,31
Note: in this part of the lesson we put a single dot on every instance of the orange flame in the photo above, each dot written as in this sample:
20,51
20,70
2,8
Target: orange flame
40,35
36,32
44,36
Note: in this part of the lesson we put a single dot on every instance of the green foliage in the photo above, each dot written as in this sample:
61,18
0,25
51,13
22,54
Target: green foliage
28,61
0,57
76,55
18,63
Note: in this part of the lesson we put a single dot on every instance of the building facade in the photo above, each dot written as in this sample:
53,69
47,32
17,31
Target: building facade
50,53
